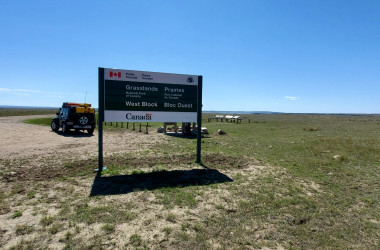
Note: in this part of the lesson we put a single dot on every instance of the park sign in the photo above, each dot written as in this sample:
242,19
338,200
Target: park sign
142,96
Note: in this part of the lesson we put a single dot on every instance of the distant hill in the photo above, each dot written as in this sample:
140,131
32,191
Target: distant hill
270,112
205,111
209,111
240,112
26,107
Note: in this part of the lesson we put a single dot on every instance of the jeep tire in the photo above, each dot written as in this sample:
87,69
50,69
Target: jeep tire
64,128
83,120
91,130
54,126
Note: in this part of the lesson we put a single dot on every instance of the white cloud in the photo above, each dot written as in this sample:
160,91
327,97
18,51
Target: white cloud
292,98
27,91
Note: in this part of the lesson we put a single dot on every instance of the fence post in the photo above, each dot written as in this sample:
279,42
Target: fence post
133,126
140,128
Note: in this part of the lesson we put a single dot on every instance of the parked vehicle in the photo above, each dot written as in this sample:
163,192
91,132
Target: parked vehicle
78,116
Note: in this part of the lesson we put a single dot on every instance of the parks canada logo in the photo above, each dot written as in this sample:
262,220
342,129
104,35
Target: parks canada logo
147,116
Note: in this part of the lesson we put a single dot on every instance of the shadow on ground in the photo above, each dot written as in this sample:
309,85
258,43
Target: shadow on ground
180,135
123,184
74,134
192,136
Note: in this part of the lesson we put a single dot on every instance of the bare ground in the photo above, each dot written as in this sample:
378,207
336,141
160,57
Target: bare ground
34,151
20,140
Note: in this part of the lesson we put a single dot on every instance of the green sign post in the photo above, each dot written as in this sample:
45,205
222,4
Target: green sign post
141,96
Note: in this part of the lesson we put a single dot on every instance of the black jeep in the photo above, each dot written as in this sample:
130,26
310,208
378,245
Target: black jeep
78,116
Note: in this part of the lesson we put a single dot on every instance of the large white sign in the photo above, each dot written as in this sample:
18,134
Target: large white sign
141,96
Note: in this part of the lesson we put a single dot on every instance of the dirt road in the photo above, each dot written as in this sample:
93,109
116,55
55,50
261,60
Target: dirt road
29,146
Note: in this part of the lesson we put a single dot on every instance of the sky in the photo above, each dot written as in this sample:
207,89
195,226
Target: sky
296,56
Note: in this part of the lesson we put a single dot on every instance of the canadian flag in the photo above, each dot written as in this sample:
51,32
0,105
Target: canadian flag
114,74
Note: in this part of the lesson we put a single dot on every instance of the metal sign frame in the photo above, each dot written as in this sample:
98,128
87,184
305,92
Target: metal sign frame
101,113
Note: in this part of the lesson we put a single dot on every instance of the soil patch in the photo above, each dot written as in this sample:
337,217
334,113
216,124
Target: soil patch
33,152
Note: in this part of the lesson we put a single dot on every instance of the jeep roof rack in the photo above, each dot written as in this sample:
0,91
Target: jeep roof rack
74,104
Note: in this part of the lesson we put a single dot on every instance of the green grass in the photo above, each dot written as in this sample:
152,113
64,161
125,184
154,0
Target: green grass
300,196
180,197
108,228
47,220
135,240
23,229
39,121
16,214
84,213
26,111
304,146
307,154
31,194
55,228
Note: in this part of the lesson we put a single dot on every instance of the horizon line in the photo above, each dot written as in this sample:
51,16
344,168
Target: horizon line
220,111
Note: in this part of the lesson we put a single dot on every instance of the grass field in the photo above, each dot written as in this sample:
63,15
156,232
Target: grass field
292,181
25,111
